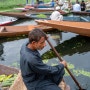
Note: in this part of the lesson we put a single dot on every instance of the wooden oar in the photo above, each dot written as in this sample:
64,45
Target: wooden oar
80,88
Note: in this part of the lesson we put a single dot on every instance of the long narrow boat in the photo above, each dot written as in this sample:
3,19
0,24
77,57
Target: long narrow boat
23,14
18,82
82,28
9,31
14,14
35,9
40,10
5,20
81,13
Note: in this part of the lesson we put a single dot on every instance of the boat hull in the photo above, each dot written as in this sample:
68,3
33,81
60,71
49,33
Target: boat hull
9,31
9,21
81,13
82,28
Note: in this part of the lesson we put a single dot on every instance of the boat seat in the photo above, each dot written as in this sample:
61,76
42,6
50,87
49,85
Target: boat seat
2,29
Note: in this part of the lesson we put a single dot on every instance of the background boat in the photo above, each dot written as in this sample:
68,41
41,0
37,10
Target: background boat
5,20
82,28
9,31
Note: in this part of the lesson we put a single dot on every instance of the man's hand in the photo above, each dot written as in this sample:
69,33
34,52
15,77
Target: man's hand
64,63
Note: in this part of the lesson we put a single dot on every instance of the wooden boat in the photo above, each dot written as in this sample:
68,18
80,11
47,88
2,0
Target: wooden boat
82,28
5,20
18,82
18,14
14,14
9,31
6,70
23,14
35,9
81,13
40,10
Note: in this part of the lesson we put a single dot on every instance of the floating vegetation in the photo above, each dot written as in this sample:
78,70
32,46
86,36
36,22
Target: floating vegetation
15,64
46,61
53,64
41,16
83,72
76,72
70,66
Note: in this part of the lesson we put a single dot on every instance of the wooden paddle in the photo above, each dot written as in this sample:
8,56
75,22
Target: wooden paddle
80,88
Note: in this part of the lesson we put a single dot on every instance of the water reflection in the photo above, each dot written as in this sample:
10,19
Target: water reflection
1,49
78,44
56,36
1,52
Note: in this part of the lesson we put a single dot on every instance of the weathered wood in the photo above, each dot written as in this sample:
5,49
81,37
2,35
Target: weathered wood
82,28
10,31
14,14
82,13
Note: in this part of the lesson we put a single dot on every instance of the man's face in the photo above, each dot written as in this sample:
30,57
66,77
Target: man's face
40,44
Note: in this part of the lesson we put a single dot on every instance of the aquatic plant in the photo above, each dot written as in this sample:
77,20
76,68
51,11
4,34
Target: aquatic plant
75,71
41,16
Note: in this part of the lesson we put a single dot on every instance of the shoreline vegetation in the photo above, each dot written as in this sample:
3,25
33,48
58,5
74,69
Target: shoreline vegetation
9,5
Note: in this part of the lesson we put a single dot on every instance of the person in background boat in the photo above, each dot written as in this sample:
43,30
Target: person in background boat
34,5
63,4
47,5
39,2
83,6
51,3
32,2
56,15
76,7
37,75
26,1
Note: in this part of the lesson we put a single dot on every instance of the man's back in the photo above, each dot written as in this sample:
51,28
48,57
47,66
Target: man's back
76,7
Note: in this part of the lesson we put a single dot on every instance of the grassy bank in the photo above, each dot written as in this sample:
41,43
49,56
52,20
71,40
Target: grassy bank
6,5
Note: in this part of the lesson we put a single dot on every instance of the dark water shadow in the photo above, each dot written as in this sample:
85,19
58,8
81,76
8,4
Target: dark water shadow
78,44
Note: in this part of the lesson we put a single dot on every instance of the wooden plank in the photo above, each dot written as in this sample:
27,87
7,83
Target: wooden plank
82,28
10,31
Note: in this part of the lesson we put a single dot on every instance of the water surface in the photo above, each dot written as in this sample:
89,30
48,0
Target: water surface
73,48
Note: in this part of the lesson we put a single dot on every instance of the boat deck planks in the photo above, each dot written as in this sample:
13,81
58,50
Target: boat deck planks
82,28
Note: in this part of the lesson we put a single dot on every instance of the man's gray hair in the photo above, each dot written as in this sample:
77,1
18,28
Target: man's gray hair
36,34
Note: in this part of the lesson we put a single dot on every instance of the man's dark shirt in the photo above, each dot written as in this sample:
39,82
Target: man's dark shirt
34,72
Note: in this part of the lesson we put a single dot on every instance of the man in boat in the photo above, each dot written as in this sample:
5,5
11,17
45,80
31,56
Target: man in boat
37,75
56,15
76,7
62,4
83,6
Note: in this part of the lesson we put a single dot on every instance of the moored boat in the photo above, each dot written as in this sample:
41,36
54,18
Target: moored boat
9,31
18,83
81,13
82,28
14,14
5,20
6,73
